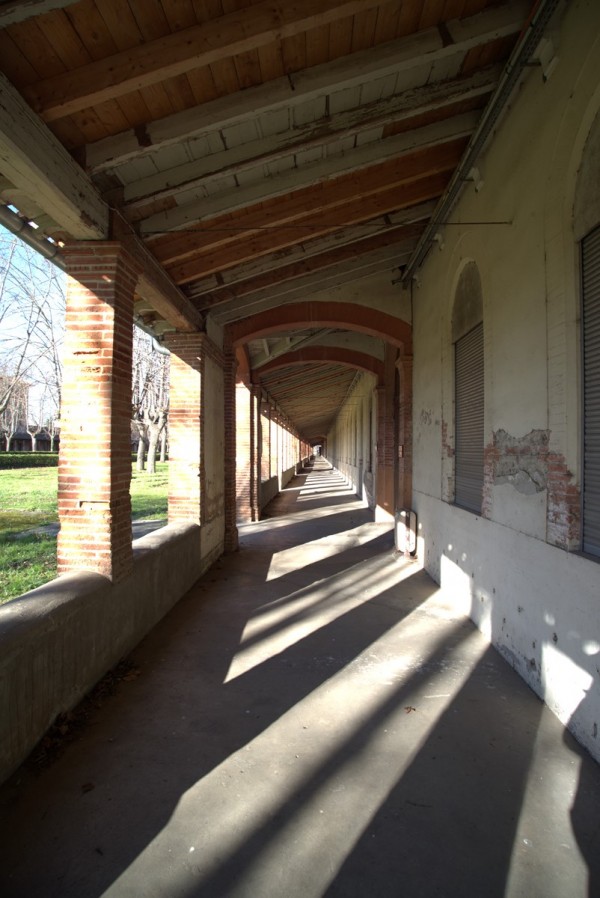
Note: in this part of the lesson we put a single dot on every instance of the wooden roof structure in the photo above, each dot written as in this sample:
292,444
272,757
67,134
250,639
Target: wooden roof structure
252,152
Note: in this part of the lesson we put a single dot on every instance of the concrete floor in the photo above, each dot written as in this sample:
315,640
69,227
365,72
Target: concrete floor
312,719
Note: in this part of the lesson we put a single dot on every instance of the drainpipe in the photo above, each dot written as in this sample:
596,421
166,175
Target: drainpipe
156,346
17,225
520,58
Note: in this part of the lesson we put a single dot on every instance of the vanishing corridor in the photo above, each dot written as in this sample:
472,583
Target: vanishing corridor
310,720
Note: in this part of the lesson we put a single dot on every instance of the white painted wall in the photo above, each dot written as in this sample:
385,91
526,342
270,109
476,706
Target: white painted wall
539,604
348,446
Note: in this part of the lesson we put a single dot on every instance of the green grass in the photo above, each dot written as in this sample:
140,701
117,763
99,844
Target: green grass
28,499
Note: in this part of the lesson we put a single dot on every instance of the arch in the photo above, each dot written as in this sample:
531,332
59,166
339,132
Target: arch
349,316
243,364
467,311
334,354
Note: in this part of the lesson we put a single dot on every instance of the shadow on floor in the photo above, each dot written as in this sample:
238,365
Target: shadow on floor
311,719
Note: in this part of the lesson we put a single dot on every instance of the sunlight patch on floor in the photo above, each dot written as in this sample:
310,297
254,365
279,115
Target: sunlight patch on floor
333,761
282,624
297,557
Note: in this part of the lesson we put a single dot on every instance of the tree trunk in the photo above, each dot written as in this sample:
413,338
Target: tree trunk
141,454
152,447
163,444
154,426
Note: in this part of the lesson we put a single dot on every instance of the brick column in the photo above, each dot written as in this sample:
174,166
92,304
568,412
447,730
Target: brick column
229,378
94,504
247,452
243,451
186,467
404,495
256,453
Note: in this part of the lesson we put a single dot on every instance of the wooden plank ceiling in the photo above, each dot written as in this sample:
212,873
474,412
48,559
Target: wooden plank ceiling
260,151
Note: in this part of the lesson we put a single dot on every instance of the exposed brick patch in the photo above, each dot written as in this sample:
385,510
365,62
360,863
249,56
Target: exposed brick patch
564,505
447,464
530,467
447,443
519,461
491,457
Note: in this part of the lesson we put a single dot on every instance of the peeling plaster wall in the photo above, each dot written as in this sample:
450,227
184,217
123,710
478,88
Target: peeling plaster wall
515,568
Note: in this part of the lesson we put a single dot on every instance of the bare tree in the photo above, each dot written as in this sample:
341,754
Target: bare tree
150,397
32,307
13,417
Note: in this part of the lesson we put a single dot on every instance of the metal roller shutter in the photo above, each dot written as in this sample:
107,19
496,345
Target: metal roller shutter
590,266
469,420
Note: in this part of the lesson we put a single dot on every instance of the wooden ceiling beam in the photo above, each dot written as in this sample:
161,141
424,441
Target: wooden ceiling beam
334,166
306,287
395,57
176,54
274,239
303,251
402,239
321,132
334,355
13,11
354,211
35,162
303,208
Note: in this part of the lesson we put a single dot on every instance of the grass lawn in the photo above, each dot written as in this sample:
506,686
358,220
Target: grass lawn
28,499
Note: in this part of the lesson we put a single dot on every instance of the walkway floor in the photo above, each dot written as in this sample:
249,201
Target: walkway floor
312,719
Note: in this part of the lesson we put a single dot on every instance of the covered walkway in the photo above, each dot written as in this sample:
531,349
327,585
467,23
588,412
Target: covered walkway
312,719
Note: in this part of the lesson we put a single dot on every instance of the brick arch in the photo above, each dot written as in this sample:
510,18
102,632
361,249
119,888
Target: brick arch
350,316
243,364
334,354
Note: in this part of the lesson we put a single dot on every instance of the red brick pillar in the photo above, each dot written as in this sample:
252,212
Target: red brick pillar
229,379
265,436
94,504
405,369
186,467
385,453
247,402
256,451
243,451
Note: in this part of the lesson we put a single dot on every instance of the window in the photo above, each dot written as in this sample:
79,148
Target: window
590,268
468,374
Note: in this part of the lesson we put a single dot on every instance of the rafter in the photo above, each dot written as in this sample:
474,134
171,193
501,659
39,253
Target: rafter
13,11
355,160
332,220
331,354
178,53
401,240
310,206
302,252
35,162
321,132
405,55
343,216
306,287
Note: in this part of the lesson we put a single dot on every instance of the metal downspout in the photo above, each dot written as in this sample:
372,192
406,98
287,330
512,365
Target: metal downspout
519,59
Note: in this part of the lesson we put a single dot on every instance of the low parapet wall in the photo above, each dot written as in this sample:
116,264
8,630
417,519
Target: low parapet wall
57,641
